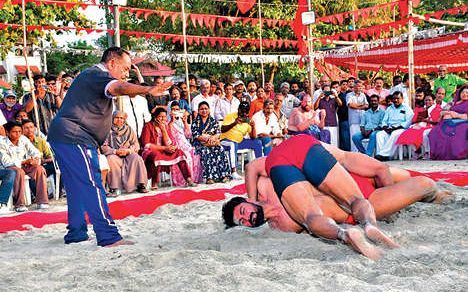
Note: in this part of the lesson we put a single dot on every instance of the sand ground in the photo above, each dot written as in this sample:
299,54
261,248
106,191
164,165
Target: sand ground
186,248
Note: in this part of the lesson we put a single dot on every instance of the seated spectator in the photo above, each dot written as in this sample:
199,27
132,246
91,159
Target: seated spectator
423,120
257,104
235,127
357,104
227,104
267,127
30,132
205,133
440,97
20,116
397,118
330,102
7,177
127,168
304,120
160,152
19,154
10,106
370,124
180,131
47,104
448,138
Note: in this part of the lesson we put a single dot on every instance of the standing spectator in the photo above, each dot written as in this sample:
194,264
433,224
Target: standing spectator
51,82
295,89
81,125
160,152
323,81
47,105
306,87
257,104
290,101
203,96
357,104
239,91
65,85
380,91
176,95
19,154
447,81
269,90
344,136
227,104
396,80
282,120
403,88
206,132
10,106
370,124
397,118
252,89
330,102
127,168
267,126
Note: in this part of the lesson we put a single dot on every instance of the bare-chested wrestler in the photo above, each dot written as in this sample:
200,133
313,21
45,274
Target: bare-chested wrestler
301,163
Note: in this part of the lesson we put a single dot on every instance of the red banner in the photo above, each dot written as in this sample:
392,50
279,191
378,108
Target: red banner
245,5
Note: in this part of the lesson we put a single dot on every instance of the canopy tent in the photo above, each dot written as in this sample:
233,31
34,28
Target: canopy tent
23,68
451,50
152,68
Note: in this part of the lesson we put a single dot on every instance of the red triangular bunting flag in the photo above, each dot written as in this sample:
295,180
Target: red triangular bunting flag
245,5
204,41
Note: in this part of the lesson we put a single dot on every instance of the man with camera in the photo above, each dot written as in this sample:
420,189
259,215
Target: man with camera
47,104
330,102
235,127
397,118
370,124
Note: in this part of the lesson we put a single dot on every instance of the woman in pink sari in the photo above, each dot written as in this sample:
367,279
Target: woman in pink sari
423,120
180,132
159,150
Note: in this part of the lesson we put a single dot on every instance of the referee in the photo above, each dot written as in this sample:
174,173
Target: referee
79,128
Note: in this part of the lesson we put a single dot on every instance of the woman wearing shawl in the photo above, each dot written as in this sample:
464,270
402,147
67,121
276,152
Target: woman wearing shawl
423,120
205,133
448,139
127,169
160,151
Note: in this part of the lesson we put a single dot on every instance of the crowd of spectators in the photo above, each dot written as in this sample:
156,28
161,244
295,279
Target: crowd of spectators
195,136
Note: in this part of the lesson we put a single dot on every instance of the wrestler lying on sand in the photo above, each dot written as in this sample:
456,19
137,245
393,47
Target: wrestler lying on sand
302,204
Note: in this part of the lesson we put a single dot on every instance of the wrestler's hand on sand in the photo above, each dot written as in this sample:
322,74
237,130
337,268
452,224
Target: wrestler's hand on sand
159,89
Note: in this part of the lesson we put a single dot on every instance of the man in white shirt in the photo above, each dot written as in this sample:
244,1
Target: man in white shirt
203,96
403,88
290,101
227,104
19,154
137,112
357,104
267,126
323,81
379,91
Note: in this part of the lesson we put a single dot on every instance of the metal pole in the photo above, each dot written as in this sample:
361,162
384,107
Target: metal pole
116,25
261,41
184,32
28,69
310,46
410,54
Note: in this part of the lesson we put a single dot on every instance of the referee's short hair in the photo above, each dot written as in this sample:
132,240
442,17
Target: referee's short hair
113,52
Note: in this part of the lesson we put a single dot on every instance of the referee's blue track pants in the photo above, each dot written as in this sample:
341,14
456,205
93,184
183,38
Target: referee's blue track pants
79,166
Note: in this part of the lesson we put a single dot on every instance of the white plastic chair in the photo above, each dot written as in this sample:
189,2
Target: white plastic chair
243,153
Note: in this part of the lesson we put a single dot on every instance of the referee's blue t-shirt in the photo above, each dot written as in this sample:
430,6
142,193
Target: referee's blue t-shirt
85,116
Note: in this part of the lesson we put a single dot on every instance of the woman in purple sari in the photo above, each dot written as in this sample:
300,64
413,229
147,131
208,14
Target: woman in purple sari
448,139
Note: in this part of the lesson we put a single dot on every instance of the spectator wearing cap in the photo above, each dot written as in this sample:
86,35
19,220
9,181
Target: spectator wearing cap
203,96
235,127
290,101
10,106
239,91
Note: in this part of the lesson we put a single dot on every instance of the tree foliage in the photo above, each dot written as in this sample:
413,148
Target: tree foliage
71,60
35,15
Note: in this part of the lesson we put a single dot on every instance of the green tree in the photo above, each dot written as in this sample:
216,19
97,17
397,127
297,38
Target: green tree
64,60
35,15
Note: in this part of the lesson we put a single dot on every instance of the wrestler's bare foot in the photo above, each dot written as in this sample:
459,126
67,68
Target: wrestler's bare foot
356,239
376,235
121,242
443,197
